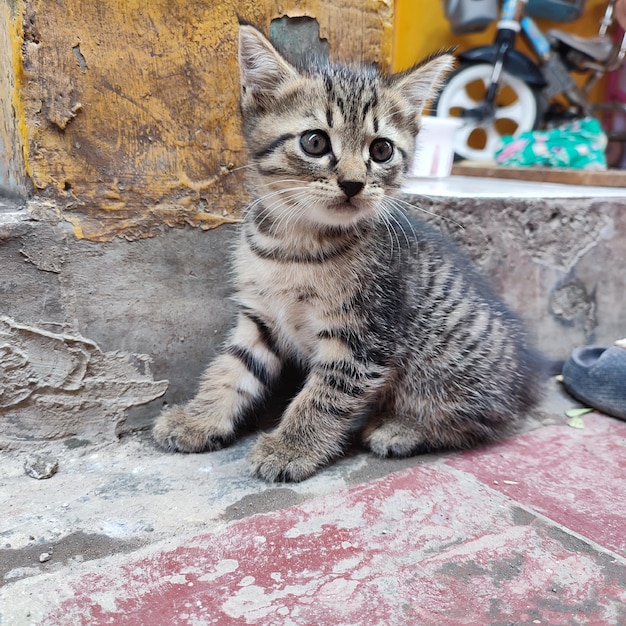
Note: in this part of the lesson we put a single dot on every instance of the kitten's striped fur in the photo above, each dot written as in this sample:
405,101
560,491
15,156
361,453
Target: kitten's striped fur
388,320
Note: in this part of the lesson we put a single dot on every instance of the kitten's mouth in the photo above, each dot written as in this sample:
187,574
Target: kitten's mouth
346,206
346,211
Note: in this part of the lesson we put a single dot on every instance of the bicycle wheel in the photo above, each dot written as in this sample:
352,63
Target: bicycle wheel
518,108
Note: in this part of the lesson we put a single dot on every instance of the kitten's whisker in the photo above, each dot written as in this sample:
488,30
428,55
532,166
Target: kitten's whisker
297,214
423,210
400,211
292,208
392,218
282,180
269,195
298,207
243,167
259,200
384,218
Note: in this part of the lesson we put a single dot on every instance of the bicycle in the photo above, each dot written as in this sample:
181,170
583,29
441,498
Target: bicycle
498,90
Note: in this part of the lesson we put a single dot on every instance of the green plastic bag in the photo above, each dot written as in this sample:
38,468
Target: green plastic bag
579,144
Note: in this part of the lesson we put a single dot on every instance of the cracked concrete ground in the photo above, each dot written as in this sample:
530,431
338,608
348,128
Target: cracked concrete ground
535,523
118,497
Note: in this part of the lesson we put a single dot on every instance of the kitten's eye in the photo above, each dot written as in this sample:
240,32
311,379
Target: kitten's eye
315,142
381,150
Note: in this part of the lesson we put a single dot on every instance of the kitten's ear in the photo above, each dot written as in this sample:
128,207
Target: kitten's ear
422,82
263,71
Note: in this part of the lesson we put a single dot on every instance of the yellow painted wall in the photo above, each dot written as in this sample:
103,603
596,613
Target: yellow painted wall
130,108
13,175
124,113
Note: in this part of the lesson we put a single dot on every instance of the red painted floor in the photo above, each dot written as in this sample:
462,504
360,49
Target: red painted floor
576,477
530,531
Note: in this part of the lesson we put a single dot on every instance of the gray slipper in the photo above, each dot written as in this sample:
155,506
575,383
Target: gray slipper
597,377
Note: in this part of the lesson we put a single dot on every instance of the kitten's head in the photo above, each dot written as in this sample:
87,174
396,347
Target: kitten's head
327,143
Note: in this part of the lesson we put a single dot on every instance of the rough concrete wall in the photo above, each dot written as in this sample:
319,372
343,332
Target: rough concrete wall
88,328
81,317
559,263
132,108
58,385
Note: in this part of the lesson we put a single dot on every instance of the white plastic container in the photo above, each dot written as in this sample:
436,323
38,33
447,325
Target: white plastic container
434,147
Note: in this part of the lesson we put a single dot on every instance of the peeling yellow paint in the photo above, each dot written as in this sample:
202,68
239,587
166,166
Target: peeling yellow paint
125,113
132,111
14,164
18,105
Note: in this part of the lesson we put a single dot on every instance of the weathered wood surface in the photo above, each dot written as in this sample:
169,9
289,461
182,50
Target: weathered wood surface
608,178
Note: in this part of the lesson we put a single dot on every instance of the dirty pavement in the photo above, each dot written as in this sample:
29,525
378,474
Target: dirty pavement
527,531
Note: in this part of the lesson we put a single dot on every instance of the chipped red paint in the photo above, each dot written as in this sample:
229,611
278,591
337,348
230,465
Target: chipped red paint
576,477
436,544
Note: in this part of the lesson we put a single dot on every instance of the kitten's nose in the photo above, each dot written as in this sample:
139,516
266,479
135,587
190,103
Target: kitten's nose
350,187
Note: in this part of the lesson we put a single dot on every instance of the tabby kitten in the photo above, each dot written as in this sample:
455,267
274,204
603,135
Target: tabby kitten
387,320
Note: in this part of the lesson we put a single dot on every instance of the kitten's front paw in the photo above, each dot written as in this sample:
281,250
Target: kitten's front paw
394,439
275,461
179,430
